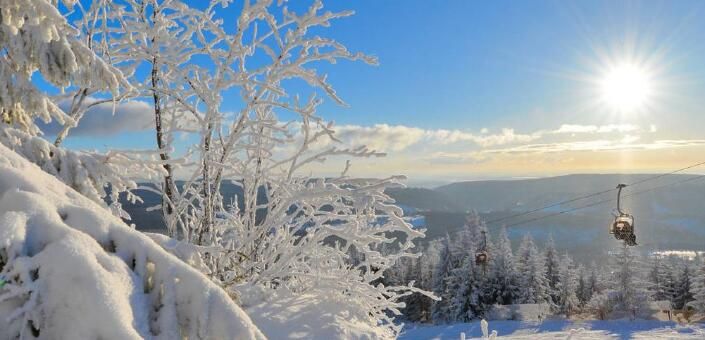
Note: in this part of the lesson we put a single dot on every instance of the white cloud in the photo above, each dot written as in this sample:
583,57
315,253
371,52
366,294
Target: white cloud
100,120
574,128
625,143
383,137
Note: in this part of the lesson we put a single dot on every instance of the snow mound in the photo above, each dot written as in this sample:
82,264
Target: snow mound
74,271
282,314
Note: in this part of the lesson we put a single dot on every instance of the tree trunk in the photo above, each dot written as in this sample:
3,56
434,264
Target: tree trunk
169,186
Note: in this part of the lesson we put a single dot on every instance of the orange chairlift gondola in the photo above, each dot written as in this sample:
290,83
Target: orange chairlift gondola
482,257
623,226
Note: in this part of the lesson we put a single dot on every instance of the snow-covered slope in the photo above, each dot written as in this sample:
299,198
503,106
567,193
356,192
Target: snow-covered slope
282,314
76,272
560,329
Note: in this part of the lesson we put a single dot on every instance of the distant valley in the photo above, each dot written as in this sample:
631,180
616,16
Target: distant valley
670,214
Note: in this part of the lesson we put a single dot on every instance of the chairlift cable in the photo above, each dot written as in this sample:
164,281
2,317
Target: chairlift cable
553,205
604,201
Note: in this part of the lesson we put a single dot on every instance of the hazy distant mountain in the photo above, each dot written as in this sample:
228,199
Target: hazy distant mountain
671,216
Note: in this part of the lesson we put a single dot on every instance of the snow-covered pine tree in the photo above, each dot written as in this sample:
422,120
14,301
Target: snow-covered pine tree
596,281
567,286
531,270
630,287
682,295
440,312
502,287
552,263
697,289
582,284
428,263
661,280
464,303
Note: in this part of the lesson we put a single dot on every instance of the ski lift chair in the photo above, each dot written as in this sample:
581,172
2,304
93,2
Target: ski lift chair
482,257
623,225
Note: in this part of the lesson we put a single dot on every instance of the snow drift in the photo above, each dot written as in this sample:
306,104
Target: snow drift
74,271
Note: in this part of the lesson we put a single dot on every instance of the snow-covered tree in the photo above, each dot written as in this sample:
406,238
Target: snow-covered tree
502,287
472,282
567,286
36,39
583,290
552,263
597,282
697,289
682,295
630,287
285,226
442,284
531,270
661,280
465,302
80,98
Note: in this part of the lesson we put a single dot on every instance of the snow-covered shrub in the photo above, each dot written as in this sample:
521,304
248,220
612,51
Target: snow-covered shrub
38,42
332,236
76,272
96,176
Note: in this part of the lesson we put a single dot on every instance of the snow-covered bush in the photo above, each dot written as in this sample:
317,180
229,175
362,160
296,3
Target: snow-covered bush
74,271
96,176
37,40
332,236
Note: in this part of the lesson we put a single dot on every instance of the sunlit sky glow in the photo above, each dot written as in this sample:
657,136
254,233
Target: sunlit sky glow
469,90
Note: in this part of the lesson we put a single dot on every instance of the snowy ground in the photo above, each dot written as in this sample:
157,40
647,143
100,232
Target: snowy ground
561,329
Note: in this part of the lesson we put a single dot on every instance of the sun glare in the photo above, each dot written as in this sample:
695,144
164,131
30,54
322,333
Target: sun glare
626,88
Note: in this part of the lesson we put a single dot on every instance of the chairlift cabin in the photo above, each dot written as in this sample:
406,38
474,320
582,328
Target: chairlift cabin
482,257
623,226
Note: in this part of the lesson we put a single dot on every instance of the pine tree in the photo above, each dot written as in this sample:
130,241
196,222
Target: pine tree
583,288
630,288
502,287
697,289
466,301
533,286
682,292
552,275
567,286
441,283
661,279
593,283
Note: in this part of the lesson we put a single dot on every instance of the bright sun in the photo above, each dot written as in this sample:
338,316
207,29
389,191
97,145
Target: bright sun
626,88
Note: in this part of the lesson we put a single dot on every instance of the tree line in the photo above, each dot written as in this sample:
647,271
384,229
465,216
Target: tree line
530,274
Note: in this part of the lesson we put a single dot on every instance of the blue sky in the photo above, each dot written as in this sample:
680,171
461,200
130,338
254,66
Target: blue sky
516,80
